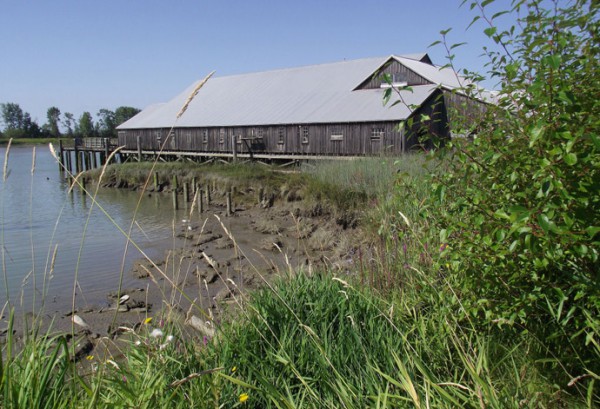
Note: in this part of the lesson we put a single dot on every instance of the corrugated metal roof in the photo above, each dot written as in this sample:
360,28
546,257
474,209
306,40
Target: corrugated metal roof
313,94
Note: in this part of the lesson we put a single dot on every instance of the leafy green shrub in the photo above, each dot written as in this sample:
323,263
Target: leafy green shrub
518,209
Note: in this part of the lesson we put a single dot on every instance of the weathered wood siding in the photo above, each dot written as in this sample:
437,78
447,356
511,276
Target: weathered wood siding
398,72
464,112
336,139
309,139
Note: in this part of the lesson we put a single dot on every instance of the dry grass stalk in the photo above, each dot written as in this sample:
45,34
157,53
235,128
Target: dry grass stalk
33,162
6,172
193,94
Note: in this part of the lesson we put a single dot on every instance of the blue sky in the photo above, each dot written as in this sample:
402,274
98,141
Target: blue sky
84,55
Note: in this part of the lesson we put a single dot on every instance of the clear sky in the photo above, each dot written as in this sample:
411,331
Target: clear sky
81,55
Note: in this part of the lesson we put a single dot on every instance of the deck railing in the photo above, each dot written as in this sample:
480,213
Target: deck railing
95,143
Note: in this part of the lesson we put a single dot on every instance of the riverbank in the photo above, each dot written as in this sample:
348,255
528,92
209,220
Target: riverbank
276,229
32,141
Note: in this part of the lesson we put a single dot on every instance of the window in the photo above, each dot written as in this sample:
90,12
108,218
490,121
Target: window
399,78
377,134
336,133
281,135
205,136
396,80
305,134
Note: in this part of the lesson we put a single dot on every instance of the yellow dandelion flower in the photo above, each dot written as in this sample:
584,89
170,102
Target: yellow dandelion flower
244,397
148,320
233,369
89,357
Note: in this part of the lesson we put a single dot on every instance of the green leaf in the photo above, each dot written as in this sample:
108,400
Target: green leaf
501,214
546,224
443,236
535,134
553,61
592,231
457,45
596,140
490,31
571,159
473,21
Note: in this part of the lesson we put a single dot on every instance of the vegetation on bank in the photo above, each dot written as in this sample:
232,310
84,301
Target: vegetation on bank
485,293
30,141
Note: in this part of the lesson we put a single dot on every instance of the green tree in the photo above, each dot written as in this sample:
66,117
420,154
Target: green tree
53,119
17,123
30,128
106,123
124,113
12,116
86,125
69,122
518,208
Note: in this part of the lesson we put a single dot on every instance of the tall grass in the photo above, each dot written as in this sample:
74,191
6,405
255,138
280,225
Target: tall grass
372,176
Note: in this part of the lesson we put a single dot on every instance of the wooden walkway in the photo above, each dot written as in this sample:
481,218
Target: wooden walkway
85,153
89,153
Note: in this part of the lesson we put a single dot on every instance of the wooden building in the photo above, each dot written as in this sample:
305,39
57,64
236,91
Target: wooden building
326,110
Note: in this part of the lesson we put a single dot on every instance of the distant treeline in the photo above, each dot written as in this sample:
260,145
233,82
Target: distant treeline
18,124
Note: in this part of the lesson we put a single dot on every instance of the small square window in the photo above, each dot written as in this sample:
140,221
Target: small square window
377,133
305,134
281,135
336,134
205,136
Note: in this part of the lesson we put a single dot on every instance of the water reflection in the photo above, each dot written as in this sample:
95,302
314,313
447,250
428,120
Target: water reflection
38,214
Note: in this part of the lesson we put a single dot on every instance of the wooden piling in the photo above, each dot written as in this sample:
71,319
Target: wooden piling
261,195
207,195
77,160
156,184
106,151
139,149
174,183
86,160
82,185
175,203
61,156
234,148
201,201
68,166
186,193
229,204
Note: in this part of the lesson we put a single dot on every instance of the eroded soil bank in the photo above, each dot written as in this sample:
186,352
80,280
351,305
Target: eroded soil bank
216,258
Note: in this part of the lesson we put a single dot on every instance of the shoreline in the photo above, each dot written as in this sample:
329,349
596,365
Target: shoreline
215,260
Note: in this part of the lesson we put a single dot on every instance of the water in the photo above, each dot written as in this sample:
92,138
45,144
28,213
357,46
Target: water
39,215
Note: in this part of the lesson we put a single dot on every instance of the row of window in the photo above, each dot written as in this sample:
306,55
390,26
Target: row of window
336,134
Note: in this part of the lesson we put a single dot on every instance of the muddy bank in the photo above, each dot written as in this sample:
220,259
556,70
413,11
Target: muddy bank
214,261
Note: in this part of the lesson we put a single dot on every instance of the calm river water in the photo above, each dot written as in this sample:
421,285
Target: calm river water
38,214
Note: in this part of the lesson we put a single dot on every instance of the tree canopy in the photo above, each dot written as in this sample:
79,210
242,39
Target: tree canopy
17,123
